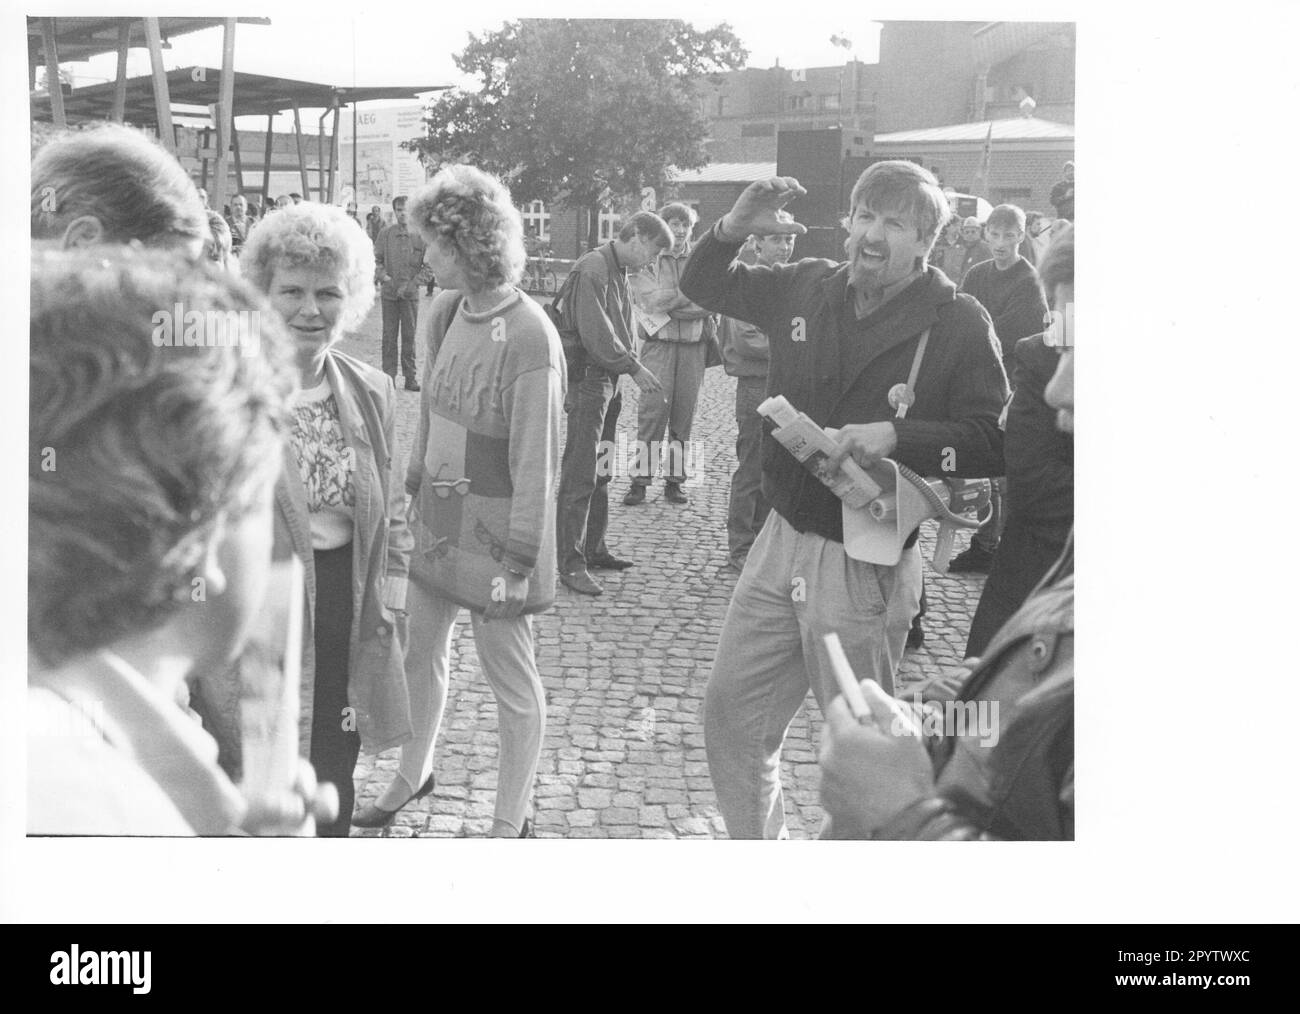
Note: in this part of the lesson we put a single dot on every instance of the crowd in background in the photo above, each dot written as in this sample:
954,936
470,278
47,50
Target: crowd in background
165,478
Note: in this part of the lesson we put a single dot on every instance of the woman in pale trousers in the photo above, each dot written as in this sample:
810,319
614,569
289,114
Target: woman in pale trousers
482,471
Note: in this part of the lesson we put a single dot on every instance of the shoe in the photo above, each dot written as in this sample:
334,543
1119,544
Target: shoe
608,562
412,384
974,560
582,582
635,496
673,493
376,816
916,635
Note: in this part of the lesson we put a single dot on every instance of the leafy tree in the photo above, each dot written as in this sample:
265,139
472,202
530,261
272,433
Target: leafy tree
580,111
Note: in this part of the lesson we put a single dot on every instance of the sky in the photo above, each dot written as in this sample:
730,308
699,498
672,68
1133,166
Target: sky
418,49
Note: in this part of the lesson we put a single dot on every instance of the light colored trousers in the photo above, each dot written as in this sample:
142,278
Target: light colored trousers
505,651
680,369
795,589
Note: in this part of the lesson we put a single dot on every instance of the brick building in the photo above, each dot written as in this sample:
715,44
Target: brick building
1026,157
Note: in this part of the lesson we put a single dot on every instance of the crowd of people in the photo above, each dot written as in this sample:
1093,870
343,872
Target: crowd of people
166,478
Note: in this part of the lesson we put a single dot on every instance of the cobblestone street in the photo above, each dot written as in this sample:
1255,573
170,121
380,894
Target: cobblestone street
625,673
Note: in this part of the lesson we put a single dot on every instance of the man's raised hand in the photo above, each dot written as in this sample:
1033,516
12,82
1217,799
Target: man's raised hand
754,212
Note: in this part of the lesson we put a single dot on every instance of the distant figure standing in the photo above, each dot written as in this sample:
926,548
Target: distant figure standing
745,356
400,270
374,223
949,253
1062,195
674,353
239,223
977,251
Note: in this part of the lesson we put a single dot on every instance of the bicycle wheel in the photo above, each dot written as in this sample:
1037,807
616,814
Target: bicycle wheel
550,283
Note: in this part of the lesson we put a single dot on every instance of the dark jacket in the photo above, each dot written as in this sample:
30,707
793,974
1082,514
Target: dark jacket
600,311
839,369
1014,299
1039,457
1040,495
1021,788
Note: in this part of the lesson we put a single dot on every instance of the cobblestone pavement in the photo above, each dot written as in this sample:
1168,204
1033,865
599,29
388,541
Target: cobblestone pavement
625,673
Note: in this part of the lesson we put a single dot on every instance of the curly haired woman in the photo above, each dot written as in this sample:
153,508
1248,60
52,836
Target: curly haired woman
481,474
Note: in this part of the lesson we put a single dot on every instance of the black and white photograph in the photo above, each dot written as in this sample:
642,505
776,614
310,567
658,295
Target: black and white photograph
512,421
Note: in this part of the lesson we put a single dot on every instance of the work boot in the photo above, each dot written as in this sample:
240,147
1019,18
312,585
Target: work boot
673,492
635,496
974,560
916,635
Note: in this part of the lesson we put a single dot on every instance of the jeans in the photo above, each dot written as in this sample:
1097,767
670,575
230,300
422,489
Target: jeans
582,515
796,588
748,507
399,315
505,652
680,368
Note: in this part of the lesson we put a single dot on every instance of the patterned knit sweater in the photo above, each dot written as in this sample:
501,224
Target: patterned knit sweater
485,461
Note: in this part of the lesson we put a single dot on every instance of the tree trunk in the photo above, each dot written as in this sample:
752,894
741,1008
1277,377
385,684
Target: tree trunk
593,231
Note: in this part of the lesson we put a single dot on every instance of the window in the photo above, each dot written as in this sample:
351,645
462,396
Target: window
830,101
610,222
537,221
797,101
757,130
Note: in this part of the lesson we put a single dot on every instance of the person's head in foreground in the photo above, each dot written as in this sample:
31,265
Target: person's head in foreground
1057,274
777,248
681,219
150,531
896,211
112,184
473,232
317,269
1005,230
164,455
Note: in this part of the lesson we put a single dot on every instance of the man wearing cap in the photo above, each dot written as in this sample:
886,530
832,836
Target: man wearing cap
884,352
745,356
977,251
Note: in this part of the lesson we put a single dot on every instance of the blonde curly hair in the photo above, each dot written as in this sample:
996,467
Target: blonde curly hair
307,235
474,213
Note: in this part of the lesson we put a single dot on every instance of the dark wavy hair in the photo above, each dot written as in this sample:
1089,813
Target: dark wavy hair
135,188
138,448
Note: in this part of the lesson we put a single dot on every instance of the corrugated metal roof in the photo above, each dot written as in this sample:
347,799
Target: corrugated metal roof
727,172
1019,128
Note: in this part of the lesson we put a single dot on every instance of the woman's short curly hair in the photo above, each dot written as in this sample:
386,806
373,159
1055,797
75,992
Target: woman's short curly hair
127,181
139,447
312,235
473,212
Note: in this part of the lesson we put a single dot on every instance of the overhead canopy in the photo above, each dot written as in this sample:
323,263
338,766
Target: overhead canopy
200,86
79,39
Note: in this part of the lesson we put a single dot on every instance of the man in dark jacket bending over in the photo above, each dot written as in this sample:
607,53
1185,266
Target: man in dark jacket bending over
841,337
